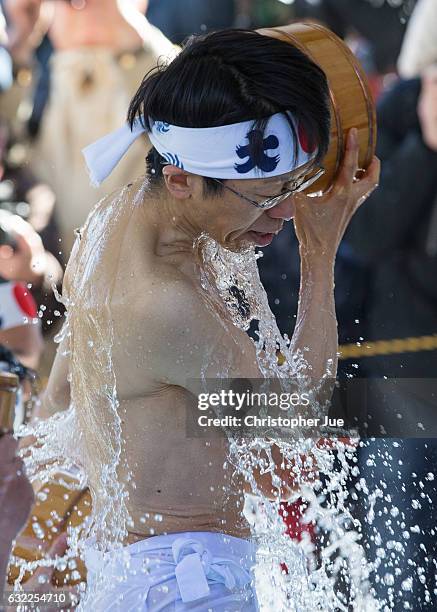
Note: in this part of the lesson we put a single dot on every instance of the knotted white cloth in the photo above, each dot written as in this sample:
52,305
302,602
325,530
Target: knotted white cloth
190,571
223,152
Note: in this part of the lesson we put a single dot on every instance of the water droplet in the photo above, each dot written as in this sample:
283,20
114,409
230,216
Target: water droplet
407,584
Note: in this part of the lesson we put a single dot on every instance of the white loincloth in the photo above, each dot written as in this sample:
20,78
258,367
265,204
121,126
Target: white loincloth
196,571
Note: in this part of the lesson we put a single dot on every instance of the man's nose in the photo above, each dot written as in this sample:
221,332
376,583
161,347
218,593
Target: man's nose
284,210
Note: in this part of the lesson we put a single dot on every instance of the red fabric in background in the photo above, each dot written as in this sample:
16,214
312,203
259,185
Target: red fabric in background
25,300
291,515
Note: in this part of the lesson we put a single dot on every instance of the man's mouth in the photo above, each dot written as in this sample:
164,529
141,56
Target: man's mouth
262,238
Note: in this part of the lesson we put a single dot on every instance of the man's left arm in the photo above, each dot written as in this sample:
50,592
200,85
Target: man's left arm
320,223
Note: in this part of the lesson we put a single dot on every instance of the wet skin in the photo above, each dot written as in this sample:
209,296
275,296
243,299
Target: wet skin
166,335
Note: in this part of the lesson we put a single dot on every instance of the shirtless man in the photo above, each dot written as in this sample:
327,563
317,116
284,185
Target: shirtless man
135,277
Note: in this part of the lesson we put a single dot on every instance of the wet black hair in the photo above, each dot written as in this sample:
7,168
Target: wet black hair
232,76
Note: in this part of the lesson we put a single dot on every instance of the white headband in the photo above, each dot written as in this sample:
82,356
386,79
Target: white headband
218,152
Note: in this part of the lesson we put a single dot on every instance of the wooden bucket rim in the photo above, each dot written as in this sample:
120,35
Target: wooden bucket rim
359,73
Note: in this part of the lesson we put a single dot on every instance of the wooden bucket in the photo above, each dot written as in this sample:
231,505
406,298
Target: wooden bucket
351,101
56,508
8,391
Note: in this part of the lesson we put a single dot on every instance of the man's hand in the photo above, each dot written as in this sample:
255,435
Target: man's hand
42,580
427,107
22,16
321,221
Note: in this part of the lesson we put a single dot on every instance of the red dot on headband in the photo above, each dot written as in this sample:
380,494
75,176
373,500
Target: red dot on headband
303,140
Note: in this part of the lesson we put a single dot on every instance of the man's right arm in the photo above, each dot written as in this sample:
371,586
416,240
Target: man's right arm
56,396
57,393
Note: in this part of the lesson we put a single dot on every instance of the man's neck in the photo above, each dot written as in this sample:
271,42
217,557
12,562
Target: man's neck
174,231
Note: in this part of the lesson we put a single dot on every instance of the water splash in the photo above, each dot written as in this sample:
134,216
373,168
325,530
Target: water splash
87,438
235,278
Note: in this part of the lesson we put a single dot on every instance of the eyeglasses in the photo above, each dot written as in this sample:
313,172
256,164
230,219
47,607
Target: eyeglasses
272,201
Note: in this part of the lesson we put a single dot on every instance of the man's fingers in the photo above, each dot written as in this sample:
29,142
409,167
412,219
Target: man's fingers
8,447
44,575
336,443
350,161
370,180
14,465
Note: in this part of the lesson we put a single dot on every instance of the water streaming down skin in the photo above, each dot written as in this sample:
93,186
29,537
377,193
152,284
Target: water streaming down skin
338,576
302,587
88,437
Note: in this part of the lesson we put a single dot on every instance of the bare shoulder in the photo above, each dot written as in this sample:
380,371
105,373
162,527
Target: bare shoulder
171,335
100,221
170,307
155,291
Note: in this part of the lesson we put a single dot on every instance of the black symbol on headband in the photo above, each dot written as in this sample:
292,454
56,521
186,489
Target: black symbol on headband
261,160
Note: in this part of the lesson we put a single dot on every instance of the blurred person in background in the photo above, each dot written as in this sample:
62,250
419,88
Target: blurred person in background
27,268
419,48
395,240
102,49
20,329
21,194
382,24
179,19
396,237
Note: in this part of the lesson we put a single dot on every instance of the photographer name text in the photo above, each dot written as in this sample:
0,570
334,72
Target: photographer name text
268,421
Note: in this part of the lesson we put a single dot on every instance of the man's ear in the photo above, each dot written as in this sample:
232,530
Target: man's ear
177,182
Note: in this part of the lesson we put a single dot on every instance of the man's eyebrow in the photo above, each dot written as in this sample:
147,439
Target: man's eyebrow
278,179
272,184
284,180
291,177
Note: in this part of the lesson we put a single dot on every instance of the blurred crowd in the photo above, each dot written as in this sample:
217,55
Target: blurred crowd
68,69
